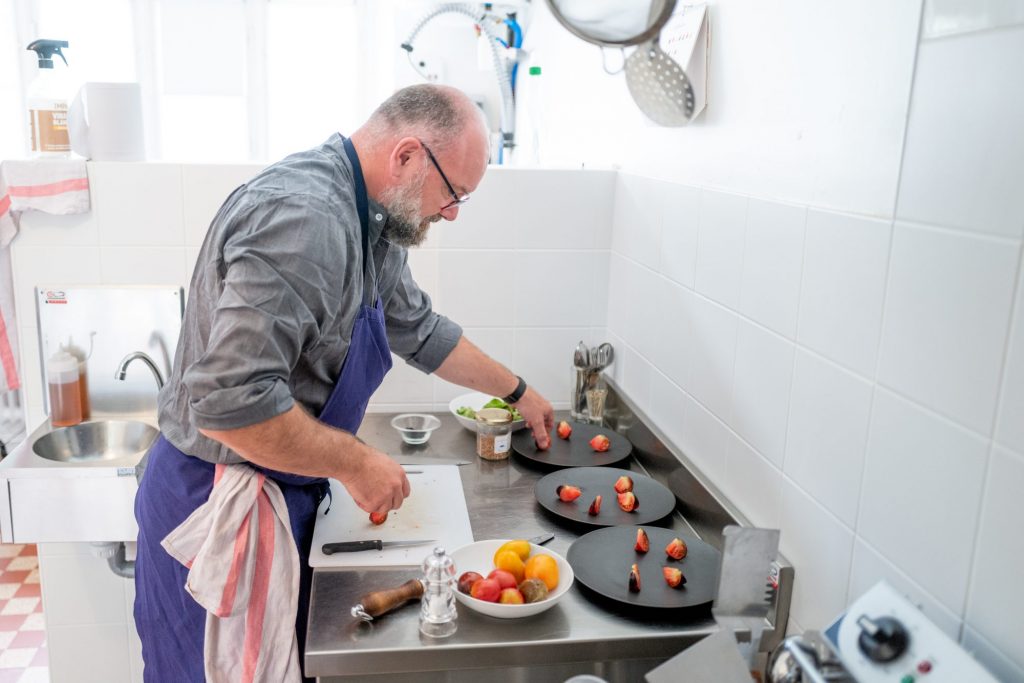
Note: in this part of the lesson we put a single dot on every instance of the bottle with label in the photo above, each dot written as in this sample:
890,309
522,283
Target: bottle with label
530,116
63,384
48,97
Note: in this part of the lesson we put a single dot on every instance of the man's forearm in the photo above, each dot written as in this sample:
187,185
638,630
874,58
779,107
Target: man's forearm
294,442
470,367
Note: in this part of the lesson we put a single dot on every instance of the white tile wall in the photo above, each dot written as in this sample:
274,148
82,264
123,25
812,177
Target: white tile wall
754,482
820,547
714,355
958,170
995,607
947,314
922,489
1010,425
679,234
138,204
723,219
761,388
772,260
828,431
843,286
638,204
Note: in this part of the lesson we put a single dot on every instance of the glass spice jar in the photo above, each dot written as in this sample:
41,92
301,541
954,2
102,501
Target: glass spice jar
493,433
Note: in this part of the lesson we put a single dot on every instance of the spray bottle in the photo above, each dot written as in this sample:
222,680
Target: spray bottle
48,98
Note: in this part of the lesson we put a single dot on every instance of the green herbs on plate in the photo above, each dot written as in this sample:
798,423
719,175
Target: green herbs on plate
466,411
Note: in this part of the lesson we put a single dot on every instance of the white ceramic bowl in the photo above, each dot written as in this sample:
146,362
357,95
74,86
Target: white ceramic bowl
479,557
476,401
415,428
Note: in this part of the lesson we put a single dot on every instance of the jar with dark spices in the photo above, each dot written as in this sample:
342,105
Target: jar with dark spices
493,433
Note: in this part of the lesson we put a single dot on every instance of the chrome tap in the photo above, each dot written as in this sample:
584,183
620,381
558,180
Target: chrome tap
122,367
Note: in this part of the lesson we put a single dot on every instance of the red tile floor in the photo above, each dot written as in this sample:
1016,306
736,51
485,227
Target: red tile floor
22,638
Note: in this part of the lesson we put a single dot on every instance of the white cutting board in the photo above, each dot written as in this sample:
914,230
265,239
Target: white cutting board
435,509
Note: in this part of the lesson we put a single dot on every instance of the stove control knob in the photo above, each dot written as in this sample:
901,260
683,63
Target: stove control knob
883,639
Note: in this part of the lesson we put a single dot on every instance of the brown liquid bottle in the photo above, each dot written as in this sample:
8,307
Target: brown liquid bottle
83,378
62,380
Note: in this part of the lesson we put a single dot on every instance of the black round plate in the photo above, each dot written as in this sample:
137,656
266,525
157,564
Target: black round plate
601,560
656,501
574,451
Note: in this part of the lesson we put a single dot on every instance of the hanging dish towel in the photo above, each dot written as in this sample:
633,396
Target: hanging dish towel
237,545
57,186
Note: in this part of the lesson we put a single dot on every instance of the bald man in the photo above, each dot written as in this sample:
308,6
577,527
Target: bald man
300,295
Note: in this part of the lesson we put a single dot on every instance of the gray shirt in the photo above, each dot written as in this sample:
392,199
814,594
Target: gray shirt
274,296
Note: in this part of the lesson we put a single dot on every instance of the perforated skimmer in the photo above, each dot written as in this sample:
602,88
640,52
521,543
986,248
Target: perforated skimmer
659,85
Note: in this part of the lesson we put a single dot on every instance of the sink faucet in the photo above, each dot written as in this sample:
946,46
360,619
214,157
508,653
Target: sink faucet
122,367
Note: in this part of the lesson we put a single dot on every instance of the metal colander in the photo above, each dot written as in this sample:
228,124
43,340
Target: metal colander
659,85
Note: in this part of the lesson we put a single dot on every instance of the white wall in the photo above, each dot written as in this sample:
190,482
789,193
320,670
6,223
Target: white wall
829,262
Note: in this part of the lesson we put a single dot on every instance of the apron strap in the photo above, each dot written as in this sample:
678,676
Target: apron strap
363,207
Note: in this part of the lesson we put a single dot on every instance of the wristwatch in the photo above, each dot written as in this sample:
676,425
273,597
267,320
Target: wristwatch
517,393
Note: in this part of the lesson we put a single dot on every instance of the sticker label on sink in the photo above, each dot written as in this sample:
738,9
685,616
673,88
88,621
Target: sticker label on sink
126,471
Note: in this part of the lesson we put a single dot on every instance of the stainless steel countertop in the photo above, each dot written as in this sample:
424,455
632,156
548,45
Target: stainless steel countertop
501,505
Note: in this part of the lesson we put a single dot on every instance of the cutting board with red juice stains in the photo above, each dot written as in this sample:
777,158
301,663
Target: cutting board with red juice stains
435,509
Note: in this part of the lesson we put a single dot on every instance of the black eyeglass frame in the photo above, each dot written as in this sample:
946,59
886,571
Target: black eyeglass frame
456,199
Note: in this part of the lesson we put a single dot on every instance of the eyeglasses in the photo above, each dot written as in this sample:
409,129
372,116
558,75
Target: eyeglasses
456,199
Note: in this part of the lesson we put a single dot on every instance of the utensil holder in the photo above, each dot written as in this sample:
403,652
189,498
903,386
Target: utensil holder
582,380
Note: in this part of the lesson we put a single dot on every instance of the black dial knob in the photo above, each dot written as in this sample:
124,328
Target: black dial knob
883,639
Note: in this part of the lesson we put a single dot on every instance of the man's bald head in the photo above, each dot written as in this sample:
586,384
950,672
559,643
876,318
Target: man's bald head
438,113
414,130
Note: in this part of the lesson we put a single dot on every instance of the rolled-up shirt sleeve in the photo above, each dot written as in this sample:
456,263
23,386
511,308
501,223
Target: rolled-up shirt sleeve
415,332
262,321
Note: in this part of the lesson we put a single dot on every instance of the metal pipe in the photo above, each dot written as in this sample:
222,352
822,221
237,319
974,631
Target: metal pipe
122,367
481,17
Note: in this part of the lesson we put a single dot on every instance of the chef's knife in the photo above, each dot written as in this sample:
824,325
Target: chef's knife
376,544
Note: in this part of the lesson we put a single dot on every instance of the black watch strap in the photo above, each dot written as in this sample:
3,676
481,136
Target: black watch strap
517,393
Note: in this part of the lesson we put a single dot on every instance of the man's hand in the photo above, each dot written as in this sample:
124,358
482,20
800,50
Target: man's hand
376,482
539,416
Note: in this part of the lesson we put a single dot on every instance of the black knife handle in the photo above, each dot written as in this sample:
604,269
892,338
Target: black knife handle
352,546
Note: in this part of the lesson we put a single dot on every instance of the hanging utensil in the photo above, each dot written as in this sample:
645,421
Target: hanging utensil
659,86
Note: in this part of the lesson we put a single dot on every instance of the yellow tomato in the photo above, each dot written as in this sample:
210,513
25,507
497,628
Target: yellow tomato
519,547
510,562
545,568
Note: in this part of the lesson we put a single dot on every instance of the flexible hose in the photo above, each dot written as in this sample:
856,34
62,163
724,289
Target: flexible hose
482,19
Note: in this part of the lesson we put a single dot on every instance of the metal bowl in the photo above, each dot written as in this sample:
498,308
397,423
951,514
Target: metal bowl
415,428
100,440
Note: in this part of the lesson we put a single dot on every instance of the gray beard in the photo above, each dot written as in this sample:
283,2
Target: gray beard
406,227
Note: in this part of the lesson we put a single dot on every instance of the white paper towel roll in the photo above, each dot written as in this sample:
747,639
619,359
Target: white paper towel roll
105,122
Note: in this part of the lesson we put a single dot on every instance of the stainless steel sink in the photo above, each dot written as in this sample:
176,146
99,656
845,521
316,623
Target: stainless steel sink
102,440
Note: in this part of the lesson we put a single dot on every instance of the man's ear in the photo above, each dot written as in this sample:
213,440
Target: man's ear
402,154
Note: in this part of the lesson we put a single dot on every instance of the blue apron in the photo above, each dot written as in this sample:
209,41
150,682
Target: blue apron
170,623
